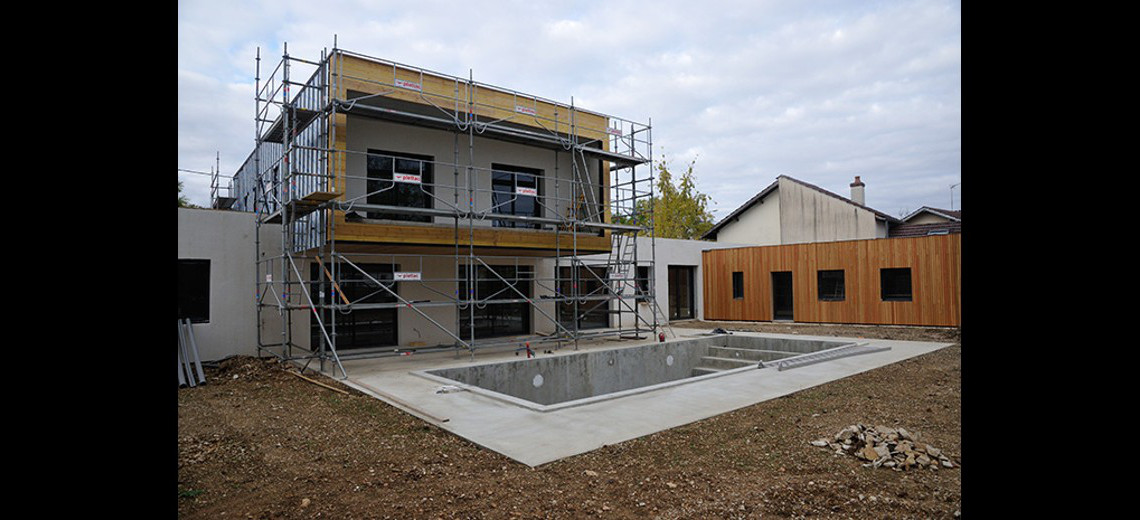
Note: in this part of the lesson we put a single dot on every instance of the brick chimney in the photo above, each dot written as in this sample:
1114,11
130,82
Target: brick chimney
857,191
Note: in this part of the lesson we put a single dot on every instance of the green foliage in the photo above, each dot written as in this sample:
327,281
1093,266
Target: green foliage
183,202
190,493
679,210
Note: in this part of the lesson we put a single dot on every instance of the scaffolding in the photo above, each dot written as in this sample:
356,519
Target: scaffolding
305,178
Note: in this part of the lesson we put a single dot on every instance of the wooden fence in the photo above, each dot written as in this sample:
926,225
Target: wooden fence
935,264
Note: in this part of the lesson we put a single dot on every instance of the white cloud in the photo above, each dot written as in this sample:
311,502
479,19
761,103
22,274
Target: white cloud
821,91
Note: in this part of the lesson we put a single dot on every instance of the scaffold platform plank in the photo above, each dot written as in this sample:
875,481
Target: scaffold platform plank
303,206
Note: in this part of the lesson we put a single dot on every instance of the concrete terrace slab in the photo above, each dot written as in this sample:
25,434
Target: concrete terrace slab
536,437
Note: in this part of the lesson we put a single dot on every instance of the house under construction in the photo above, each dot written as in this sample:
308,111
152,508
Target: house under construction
400,209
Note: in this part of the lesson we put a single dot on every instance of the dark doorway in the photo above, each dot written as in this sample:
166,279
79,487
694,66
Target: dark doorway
510,315
782,295
194,290
361,327
593,298
680,292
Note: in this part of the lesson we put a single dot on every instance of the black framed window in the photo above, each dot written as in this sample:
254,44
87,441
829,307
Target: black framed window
593,306
516,190
496,319
830,286
895,285
358,328
194,290
399,179
738,285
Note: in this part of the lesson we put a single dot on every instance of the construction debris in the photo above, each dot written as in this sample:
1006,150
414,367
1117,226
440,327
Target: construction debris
894,448
315,382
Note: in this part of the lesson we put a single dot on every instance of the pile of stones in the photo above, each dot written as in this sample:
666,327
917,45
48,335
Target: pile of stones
894,448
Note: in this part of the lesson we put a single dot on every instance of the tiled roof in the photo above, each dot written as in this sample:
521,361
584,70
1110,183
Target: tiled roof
945,213
921,230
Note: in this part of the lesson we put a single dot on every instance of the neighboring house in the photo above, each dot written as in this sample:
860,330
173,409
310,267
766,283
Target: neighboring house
928,221
825,258
790,211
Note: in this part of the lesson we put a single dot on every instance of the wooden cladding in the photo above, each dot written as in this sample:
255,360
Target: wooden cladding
935,264
417,86
546,242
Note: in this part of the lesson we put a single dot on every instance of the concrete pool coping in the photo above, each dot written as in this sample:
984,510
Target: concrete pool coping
535,437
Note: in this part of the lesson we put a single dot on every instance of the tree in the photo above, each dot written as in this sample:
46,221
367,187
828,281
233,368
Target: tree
182,200
679,211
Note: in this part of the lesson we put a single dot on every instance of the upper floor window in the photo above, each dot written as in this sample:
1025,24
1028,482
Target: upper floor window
399,179
516,190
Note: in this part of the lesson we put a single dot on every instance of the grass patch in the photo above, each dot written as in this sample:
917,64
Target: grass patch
190,493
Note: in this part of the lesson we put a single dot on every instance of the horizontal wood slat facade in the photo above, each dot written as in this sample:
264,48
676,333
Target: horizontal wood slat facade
936,281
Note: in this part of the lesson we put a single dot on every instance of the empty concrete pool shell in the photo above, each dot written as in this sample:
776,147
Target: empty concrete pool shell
554,383
722,376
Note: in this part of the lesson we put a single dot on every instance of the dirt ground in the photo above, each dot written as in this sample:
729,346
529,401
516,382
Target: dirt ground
258,442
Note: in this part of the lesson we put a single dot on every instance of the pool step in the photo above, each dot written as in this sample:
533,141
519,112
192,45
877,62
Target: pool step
724,363
711,364
700,371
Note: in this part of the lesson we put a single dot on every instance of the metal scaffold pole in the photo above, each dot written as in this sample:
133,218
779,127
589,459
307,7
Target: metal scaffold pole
306,176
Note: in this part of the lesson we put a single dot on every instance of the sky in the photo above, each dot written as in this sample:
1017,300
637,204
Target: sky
820,91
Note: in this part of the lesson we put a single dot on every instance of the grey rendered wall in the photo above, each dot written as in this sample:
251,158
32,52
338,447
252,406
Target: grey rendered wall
807,216
364,134
226,238
759,225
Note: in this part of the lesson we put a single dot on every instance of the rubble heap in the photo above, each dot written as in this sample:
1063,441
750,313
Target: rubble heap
894,448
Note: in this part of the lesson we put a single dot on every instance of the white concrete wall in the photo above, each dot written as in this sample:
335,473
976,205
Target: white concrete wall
882,229
226,238
669,252
795,214
808,216
759,225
